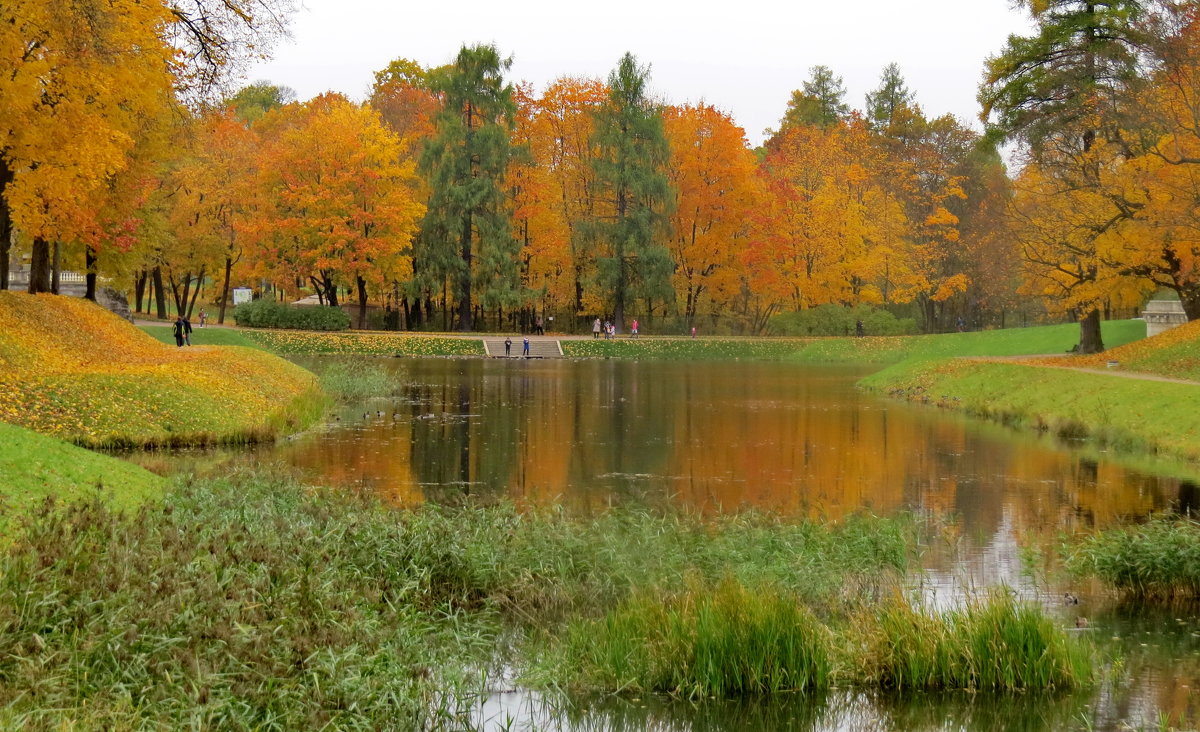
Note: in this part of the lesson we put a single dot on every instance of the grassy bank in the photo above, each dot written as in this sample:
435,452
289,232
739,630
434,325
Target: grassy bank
1173,354
875,349
71,369
363,343
34,467
1125,413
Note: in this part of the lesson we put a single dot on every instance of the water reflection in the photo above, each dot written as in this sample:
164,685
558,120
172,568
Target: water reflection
714,436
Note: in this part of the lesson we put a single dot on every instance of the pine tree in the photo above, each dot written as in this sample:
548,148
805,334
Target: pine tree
632,189
891,95
820,102
466,235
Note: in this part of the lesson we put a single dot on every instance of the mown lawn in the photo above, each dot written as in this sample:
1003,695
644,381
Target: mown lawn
34,467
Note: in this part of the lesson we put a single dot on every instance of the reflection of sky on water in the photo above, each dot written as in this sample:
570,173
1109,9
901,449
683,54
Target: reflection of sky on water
777,437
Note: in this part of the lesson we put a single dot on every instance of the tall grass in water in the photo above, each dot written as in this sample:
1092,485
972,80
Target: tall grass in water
992,644
727,640
355,380
1157,560
252,602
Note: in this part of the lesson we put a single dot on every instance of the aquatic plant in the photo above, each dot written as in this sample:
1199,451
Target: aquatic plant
995,643
723,640
1156,560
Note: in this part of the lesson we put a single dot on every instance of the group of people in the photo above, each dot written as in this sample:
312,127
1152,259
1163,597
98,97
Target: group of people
182,329
609,329
524,348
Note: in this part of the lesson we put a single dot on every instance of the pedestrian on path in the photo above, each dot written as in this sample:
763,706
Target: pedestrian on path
525,350
203,317
541,330
596,328
187,332
508,346
633,330
177,330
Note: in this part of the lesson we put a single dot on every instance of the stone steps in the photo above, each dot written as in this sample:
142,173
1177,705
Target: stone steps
538,347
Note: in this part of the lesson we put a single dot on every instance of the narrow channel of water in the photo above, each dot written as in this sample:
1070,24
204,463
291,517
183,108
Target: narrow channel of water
797,440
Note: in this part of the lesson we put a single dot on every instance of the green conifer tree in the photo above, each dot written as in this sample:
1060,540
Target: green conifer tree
466,235
632,190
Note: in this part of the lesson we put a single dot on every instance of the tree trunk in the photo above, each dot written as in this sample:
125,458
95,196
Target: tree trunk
1190,299
89,255
362,303
139,289
466,319
1090,340
56,269
225,289
160,297
191,306
6,177
39,266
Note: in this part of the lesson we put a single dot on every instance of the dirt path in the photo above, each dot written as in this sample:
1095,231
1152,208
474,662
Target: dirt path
1139,375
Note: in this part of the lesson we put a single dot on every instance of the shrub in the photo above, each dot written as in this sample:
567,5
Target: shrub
271,314
836,320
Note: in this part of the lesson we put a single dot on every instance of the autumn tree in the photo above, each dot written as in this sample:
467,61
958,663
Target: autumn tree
465,235
340,206
1060,91
76,81
561,143
633,195
712,172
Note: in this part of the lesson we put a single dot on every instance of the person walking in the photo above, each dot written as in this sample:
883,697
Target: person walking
177,331
508,346
540,329
525,349
187,331
203,317
596,328
633,330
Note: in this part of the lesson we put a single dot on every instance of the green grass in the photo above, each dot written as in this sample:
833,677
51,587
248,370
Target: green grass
251,602
1119,412
203,336
35,467
877,349
1157,560
725,641
992,644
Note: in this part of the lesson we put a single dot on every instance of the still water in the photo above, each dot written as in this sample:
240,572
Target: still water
795,440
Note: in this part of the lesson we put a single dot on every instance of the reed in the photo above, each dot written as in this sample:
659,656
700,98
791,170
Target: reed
1158,560
725,641
991,644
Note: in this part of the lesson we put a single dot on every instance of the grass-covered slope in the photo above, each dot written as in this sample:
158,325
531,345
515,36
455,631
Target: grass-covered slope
1133,413
34,467
1174,354
71,369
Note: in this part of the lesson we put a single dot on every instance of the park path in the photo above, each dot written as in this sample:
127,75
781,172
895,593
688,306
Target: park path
1138,375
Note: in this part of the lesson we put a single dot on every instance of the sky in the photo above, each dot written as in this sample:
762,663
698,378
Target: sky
744,57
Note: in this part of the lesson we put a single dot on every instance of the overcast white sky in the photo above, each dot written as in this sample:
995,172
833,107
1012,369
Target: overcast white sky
744,56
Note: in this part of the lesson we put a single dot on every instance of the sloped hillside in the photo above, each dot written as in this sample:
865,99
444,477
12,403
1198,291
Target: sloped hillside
71,369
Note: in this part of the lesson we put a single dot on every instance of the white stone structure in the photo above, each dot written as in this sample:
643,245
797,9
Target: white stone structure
1161,315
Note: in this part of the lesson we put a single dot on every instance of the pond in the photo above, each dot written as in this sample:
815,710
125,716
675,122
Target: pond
723,436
